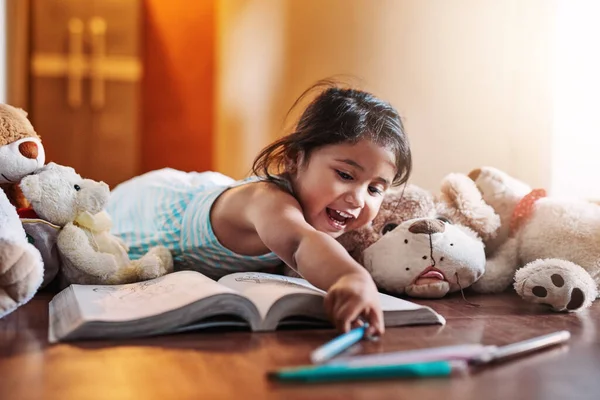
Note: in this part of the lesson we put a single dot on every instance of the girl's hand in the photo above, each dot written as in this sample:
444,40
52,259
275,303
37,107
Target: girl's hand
352,296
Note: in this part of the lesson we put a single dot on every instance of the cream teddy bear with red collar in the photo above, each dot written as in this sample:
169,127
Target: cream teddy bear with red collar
549,246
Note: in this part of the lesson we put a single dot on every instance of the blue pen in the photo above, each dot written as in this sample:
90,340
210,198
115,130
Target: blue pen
337,345
340,372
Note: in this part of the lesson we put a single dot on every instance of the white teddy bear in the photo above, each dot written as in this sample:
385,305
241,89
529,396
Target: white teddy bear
554,241
21,265
90,254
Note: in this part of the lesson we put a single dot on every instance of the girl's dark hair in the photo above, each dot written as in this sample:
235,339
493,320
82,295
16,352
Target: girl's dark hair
338,115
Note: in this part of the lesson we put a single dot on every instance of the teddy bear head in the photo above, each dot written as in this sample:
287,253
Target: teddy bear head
425,245
21,151
502,192
59,195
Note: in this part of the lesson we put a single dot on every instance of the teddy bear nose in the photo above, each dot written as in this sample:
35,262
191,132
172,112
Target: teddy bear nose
29,149
428,226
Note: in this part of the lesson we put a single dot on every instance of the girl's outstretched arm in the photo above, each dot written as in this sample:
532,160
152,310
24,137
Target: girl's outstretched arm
319,258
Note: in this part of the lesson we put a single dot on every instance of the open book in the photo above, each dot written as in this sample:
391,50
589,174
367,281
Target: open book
188,300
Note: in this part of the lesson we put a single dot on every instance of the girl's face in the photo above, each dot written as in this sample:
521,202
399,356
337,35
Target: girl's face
341,187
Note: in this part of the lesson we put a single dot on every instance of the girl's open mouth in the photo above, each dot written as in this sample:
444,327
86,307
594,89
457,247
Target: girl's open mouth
338,219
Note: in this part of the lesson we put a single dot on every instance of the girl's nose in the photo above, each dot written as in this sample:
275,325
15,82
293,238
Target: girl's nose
355,199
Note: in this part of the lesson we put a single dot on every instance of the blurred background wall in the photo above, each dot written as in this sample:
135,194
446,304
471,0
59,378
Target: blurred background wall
178,84
470,77
2,53
507,83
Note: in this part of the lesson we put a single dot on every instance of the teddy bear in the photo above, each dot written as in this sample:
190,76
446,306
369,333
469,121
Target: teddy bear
424,245
548,247
21,266
90,254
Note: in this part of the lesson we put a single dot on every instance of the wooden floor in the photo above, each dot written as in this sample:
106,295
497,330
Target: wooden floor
234,364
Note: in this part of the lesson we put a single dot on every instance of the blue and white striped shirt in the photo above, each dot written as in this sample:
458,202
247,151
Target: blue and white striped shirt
172,208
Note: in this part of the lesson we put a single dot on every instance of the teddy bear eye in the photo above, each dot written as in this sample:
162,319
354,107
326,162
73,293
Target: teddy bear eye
388,228
77,187
444,219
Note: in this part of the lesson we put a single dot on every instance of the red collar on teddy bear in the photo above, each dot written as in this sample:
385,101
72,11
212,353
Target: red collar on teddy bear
524,208
27,213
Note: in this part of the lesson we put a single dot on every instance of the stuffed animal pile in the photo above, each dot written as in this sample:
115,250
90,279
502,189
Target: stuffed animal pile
66,233
487,231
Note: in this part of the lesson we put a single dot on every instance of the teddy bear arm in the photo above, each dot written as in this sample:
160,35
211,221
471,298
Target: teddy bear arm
75,246
121,243
11,228
21,274
499,269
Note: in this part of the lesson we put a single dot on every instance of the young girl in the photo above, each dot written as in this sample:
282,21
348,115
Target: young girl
326,178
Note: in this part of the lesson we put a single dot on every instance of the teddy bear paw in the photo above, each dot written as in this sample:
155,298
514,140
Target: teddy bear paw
561,284
166,259
21,274
157,262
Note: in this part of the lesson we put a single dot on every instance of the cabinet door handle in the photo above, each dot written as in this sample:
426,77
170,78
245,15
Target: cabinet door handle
97,27
75,63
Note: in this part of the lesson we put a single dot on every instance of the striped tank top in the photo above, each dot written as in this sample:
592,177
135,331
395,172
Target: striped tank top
172,208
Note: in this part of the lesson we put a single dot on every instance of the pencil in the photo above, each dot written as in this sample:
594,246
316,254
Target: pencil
338,345
340,372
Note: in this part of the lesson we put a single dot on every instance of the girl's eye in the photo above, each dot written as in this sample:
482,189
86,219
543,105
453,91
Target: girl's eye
375,190
343,175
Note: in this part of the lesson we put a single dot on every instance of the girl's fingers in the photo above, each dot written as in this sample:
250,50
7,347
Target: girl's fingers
357,323
346,314
376,325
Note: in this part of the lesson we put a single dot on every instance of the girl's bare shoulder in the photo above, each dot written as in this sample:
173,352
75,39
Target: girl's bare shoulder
264,191
252,193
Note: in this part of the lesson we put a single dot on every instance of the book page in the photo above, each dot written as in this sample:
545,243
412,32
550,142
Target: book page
391,303
265,289
144,299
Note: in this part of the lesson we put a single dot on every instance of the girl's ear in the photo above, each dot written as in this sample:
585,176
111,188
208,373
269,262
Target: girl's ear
300,159
290,165
294,161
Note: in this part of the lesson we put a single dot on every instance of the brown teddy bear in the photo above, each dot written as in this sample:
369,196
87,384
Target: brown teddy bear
425,245
21,153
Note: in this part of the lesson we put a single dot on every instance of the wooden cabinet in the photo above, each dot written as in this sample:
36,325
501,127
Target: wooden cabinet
84,96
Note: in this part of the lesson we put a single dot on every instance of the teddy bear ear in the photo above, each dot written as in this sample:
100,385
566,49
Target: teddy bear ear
404,203
474,174
462,201
23,112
